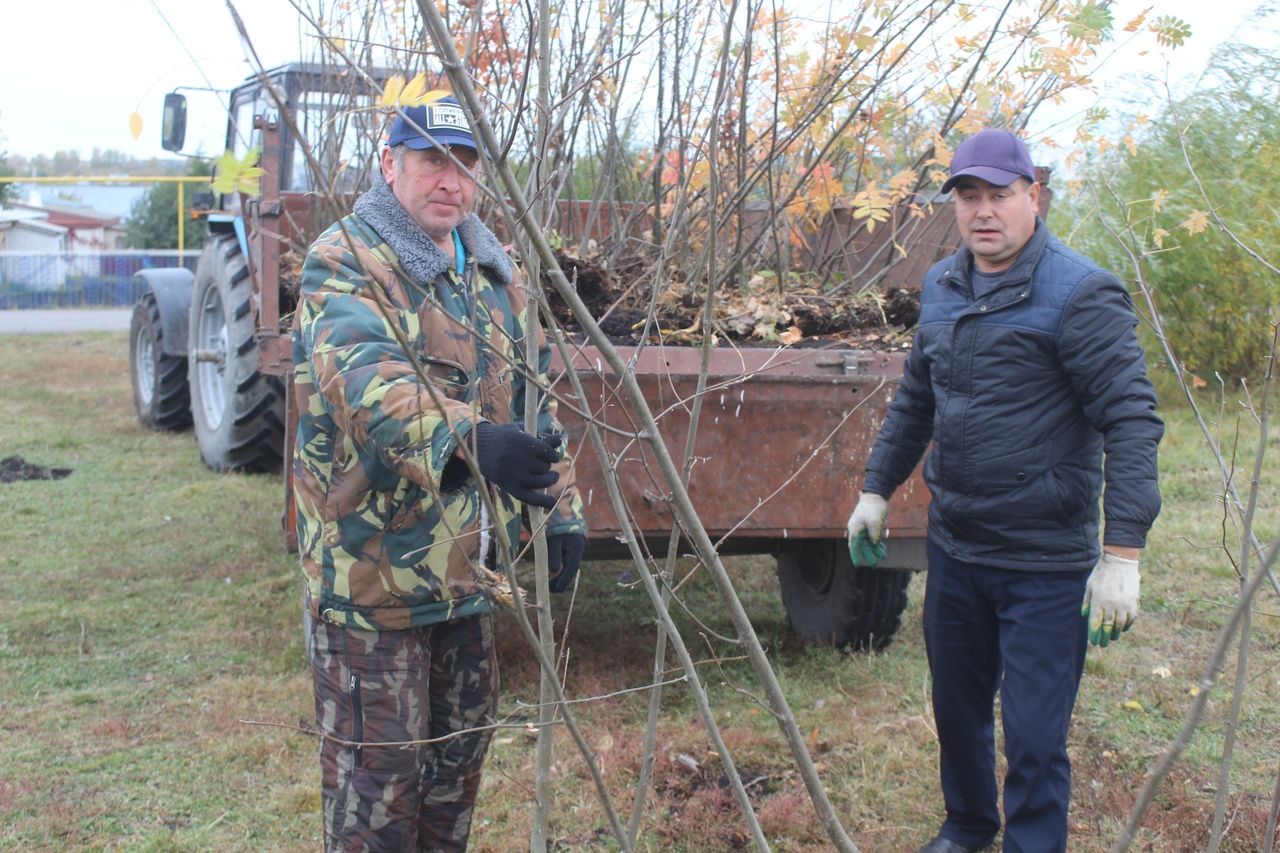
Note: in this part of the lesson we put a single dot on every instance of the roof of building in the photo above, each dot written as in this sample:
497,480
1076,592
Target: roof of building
13,214
72,216
35,220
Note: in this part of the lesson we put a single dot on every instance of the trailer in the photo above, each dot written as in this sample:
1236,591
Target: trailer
778,454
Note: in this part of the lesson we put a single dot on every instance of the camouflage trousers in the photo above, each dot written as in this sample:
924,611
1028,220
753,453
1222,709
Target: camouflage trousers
376,687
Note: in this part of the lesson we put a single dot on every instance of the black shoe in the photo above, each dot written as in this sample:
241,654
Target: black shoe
946,845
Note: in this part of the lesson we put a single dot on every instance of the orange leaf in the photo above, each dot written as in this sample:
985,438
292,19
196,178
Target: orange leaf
1196,222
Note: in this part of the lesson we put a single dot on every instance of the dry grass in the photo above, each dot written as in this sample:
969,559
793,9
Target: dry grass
149,609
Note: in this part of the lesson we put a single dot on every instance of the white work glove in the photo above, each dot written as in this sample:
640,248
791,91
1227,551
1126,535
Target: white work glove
1111,598
865,528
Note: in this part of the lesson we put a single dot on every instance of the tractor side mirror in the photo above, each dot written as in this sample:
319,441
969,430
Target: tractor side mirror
173,126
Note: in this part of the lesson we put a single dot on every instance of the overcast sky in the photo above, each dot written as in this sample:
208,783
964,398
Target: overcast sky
73,71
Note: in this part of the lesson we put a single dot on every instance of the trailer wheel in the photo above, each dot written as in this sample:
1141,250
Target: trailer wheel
238,411
831,601
160,393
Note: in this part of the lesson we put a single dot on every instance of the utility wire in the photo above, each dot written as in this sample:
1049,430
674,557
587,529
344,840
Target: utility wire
199,68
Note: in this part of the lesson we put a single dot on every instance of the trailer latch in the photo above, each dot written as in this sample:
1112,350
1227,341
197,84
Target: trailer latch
853,364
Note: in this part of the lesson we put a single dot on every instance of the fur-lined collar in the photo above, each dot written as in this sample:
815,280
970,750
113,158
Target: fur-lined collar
419,256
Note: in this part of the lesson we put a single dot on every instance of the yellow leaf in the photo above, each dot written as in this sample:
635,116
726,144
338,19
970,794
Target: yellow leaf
1131,705
413,91
1157,236
791,336
1196,222
391,91
250,181
135,125
238,176
432,96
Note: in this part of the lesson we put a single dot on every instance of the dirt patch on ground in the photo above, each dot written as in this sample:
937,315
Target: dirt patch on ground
15,468
801,311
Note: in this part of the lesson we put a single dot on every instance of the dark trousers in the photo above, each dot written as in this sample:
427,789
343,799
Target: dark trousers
1020,632
387,687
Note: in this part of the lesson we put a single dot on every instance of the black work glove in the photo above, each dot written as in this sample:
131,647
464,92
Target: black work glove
516,462
564,555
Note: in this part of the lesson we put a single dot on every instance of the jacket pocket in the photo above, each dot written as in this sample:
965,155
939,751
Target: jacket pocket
450,376
1017,485
408,513
1071,485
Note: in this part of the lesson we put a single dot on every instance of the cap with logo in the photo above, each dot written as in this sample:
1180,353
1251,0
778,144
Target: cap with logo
436,124
995,156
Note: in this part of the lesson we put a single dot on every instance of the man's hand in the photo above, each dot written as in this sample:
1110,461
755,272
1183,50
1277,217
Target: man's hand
1111,596
866,524
564,556
516,462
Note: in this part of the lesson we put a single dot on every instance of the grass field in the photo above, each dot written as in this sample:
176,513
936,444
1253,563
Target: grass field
149,610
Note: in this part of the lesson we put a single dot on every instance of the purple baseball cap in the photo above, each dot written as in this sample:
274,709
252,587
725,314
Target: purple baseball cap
444,121
995,156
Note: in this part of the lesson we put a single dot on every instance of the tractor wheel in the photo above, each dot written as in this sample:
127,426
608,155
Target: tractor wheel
238,411
831,601
160,393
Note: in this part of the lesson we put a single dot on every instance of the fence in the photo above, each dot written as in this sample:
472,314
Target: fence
80,279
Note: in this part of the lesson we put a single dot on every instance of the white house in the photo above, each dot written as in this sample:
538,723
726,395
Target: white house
88,230
32,249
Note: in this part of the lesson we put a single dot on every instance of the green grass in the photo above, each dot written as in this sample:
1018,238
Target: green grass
149,610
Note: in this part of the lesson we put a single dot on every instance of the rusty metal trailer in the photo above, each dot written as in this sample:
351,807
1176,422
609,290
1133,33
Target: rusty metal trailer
778,455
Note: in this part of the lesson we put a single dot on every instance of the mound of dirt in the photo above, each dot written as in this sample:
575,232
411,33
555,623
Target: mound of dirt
15,468
761,313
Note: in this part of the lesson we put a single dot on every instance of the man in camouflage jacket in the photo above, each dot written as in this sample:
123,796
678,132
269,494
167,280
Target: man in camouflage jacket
409,357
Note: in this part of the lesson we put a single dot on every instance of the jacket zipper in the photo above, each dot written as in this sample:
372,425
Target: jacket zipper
357,718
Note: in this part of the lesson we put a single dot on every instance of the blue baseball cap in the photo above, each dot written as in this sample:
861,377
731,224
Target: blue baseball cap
443,120
995,156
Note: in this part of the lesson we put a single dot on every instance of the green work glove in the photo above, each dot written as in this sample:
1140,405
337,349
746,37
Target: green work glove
864,552
1111,598
866,530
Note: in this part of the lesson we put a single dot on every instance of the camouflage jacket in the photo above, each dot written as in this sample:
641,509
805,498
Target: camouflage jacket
389,522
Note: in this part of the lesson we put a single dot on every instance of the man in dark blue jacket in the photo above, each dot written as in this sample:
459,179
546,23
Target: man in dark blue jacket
1027,376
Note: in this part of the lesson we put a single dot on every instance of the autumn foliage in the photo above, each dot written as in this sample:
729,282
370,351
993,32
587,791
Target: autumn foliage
721,142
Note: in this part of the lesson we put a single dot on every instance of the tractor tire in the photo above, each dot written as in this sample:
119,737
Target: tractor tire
238,411
830,601
160,393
